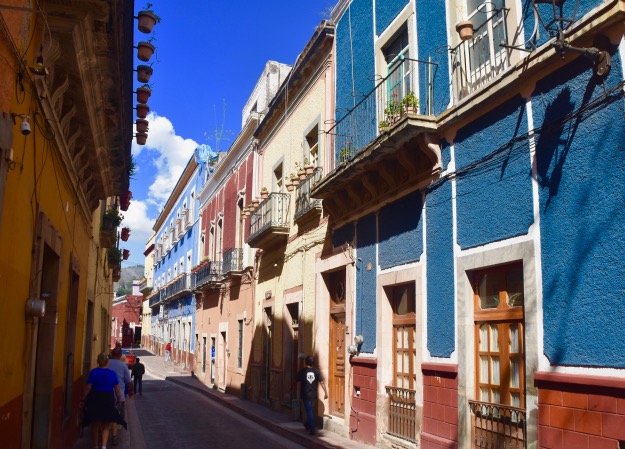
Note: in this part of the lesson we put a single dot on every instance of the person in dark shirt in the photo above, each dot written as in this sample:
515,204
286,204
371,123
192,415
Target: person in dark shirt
138,370
309,379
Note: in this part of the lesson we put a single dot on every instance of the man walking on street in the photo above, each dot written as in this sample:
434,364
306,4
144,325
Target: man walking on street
123,378
309,379
138,370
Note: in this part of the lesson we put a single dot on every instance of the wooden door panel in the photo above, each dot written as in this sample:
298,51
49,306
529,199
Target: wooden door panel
337,364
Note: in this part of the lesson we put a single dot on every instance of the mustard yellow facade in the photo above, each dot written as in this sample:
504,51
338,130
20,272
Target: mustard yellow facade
65,158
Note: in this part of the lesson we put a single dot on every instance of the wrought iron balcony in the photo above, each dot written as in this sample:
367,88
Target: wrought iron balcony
385,144
156,297
402,413
270,221
208,274
497,426
477,61
178,287
303,202
232,261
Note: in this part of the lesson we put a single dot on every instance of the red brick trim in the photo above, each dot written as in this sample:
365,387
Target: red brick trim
364,361
440,367
544,379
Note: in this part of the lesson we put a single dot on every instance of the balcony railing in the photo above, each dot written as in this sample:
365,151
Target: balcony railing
497,426
303,201
180,285
272,216
477,61
232,261
156,297
402,413
385,103
210,273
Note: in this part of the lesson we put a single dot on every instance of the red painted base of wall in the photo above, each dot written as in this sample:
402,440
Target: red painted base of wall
440,406
362,421
11,423
584,412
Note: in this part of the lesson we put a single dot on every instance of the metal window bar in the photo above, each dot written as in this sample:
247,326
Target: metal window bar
273,211
359,127
303,201
232,260
477,61
497,426
402,413
208,273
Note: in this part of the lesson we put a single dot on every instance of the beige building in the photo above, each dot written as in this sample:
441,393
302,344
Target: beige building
289,227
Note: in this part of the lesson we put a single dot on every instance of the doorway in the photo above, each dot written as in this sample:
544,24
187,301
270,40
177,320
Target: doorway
336,383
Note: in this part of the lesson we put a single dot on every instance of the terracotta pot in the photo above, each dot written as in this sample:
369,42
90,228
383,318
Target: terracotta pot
125,254
255,203
310,169
144,72
143,94
264,195
290,187
301,174
295,182
142,125
465,30
145,50
142,110
141,138
147,20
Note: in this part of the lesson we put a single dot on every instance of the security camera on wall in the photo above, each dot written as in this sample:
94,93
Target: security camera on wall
25,126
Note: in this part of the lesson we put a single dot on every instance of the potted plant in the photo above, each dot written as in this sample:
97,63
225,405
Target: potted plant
393,109
255,202
308,167
114,256
288,184
144,72
143,93
346,152
124,200
125,234
111,219
301,172
126,254
145,50
142,110
117,274
141,138
294,179
147,19
383,126
142,125
465,30
410,102
264,193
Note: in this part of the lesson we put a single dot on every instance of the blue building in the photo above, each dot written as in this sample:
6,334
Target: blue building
476,212
177,239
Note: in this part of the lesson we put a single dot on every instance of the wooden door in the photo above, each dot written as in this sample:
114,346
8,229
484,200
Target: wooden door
337,364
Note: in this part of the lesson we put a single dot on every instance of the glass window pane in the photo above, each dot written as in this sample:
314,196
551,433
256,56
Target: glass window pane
515,373
515,286
484,337
515,399
514,338
405,333
484,396
406,362
495,368
484,369
496,397
494,338
488,290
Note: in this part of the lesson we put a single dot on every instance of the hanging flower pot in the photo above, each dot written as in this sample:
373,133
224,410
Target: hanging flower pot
142,110
142,125
125,254
147,20
255,202
125,234
141,138
145,50
144,72
264,193
143,94
301,173
465,30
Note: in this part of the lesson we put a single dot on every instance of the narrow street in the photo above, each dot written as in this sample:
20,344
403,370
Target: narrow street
172,416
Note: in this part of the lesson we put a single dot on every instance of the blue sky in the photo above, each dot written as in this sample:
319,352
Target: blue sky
209,56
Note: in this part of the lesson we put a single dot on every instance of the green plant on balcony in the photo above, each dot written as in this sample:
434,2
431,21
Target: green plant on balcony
111,220
308,167
392,112
114,257
383,126
410,102
346,152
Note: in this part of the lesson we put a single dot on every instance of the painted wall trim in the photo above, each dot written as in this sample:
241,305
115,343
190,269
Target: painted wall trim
440,367
544,379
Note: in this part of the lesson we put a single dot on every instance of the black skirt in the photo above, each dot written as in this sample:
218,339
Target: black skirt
100,406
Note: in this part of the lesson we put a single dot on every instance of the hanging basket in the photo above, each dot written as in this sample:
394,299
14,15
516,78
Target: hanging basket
145,50
147,20
125,234
125,254
142,110
144,72
143,94
465,30
142,125
141,138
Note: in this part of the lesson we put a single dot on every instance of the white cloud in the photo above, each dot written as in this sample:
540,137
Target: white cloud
172,153
140,226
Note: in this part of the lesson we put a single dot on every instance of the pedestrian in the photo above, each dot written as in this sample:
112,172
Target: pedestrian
98,402
138,370
168,351
123,377
309,379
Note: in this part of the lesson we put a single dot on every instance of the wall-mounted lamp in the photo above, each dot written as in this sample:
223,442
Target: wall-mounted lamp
25,126
35,308
38,68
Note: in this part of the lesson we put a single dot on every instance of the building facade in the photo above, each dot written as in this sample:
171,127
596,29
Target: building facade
126,318
475,254
65,139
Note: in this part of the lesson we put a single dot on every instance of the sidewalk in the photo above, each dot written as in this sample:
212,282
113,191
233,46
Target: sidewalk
279,423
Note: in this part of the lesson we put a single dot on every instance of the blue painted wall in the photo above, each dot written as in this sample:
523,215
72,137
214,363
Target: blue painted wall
432,42
581,174
494,189
385,13
440,271
546,14
366,281
401,231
